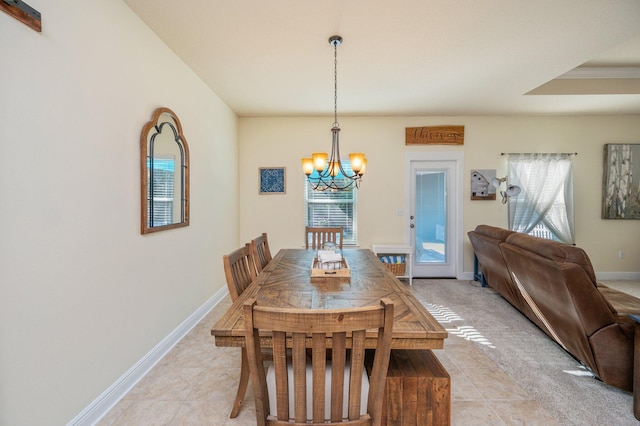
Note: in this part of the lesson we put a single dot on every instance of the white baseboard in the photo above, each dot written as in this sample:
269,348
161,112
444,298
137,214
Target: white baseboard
466,276
622,276
110,397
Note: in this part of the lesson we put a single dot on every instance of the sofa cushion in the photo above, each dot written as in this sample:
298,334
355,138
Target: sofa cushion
494,232
554,250
622,303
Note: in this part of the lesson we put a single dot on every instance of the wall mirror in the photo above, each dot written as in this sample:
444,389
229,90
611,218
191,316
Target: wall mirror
164,165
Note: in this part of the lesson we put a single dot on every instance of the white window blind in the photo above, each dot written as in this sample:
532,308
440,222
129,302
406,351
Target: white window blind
329,209
163,191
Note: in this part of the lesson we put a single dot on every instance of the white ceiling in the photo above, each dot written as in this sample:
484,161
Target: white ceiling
407,57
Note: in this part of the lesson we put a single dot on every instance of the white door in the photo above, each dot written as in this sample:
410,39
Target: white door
433,217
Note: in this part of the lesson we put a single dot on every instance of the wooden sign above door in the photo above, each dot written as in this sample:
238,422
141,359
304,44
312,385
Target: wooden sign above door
23,13
435,135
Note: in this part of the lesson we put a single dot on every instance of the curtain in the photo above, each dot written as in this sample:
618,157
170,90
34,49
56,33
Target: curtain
546,198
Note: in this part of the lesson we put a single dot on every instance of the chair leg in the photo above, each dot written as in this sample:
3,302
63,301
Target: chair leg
242,386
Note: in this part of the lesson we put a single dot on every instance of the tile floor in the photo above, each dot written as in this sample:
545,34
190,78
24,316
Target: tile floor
195,384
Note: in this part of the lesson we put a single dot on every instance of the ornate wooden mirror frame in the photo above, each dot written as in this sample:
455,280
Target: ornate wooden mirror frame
164,165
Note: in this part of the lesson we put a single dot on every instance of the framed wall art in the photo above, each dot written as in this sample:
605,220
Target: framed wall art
481,186
620,184
272,180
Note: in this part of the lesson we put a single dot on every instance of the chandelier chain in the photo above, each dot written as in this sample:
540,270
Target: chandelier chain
335,84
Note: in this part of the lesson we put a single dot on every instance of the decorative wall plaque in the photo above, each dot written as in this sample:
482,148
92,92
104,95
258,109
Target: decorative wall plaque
481,185
272,180
23,13
435,135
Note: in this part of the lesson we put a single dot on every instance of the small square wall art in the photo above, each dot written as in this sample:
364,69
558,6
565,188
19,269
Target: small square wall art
272,180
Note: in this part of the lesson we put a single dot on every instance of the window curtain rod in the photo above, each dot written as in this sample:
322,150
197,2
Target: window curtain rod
534,153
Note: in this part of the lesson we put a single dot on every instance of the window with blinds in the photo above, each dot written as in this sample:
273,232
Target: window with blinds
329,209
161,212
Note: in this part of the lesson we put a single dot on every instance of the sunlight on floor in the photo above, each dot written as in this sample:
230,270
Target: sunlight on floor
581,371
445,315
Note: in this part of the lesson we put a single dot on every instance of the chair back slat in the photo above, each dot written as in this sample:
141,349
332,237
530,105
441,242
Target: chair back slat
239,270
261,252
301,329
315,237
319,359
337,375
299,362
282,390
357,370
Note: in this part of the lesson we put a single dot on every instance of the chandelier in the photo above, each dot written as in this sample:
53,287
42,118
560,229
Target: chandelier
325,172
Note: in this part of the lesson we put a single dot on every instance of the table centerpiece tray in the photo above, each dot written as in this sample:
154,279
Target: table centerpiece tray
340,270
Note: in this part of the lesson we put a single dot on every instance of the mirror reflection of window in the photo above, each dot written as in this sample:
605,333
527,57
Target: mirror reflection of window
164,183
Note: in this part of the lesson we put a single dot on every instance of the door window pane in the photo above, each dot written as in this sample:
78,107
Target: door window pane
431,217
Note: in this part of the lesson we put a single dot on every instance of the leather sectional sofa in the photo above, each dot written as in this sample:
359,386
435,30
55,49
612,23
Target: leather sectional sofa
555,286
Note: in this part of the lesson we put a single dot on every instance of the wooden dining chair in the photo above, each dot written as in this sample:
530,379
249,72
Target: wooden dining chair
316,237
338,390
239,270
260,251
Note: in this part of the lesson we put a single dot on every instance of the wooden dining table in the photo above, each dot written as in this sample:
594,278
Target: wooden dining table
286,282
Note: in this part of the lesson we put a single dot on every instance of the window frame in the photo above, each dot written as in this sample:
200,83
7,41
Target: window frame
543,193
340,200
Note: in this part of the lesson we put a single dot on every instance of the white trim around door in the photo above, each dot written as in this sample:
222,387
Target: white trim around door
457,216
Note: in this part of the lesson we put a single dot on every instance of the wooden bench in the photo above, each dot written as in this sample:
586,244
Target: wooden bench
417,391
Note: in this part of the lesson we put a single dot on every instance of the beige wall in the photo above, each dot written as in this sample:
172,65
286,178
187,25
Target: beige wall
283,141
84,296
